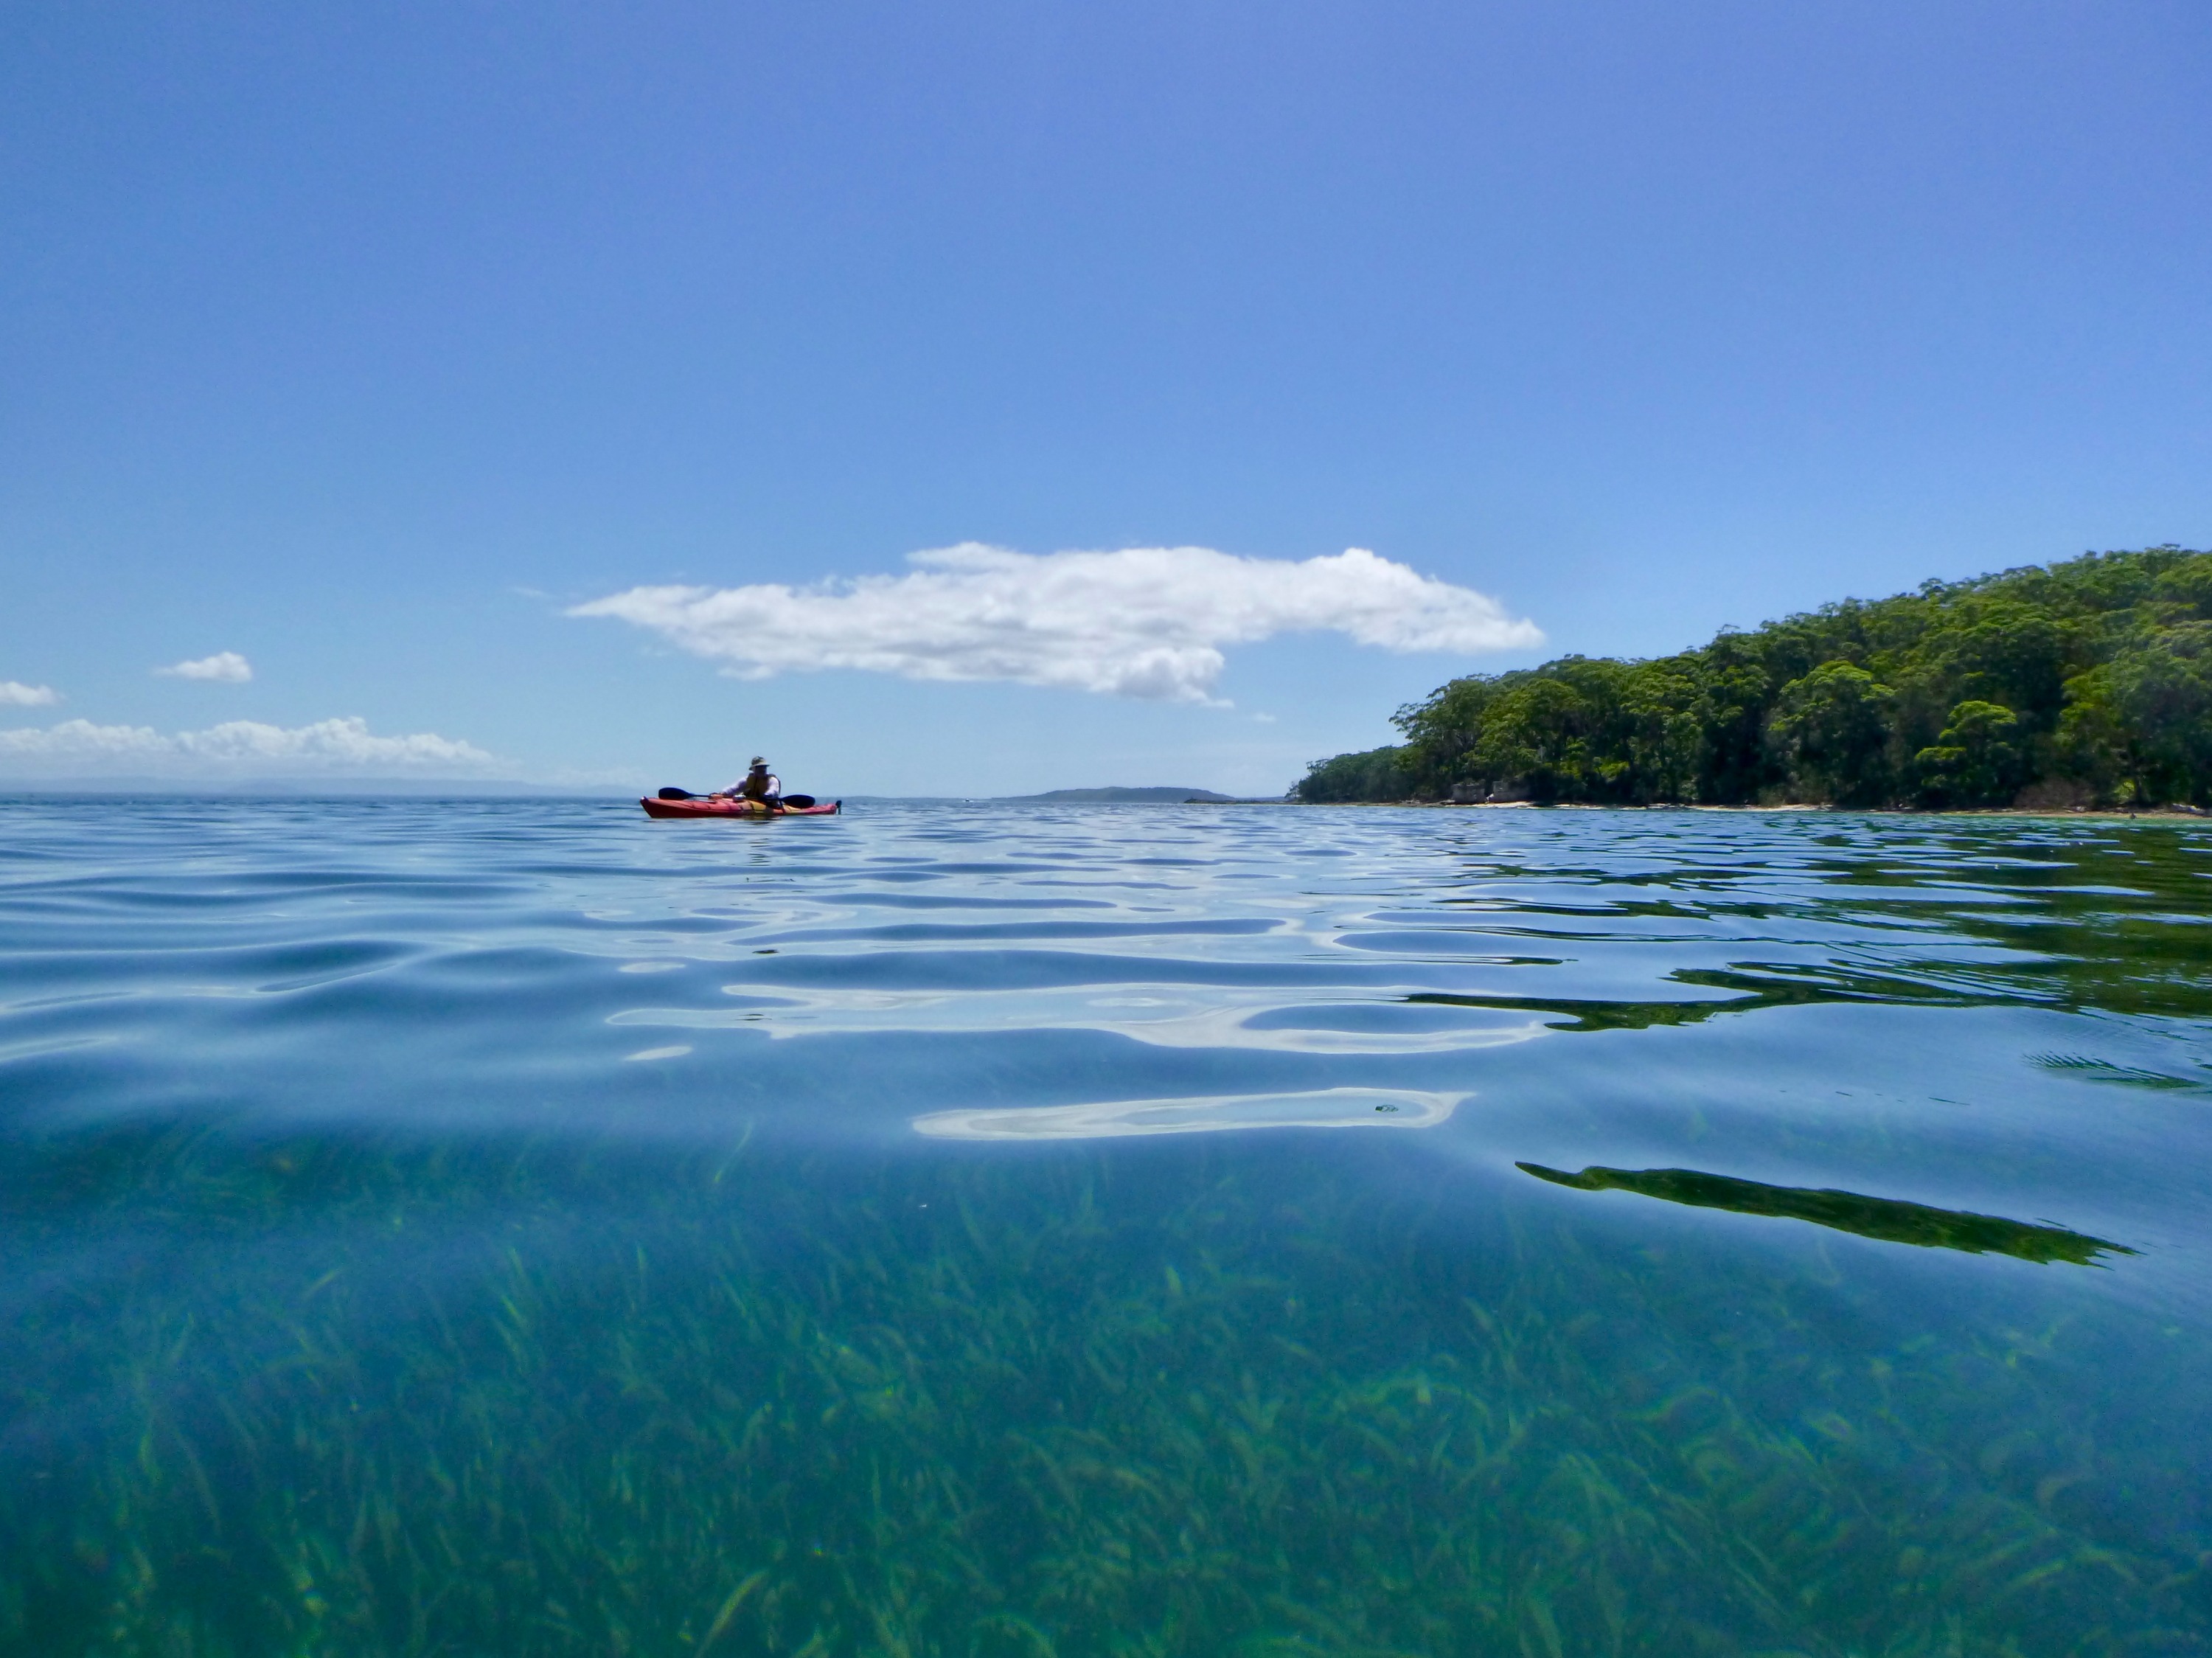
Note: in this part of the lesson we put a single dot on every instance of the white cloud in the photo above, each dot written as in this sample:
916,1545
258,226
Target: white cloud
234,747
226,666
1148,622
14,694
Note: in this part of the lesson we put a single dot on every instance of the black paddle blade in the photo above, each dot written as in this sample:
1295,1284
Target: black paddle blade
677,794
799,799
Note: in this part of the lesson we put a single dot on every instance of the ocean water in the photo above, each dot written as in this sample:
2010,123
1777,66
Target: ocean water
521,1227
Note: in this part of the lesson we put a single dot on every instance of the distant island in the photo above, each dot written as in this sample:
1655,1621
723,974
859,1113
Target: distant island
2078,684
1162,796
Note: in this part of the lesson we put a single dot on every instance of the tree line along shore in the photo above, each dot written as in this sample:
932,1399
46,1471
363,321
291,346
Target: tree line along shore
2087,683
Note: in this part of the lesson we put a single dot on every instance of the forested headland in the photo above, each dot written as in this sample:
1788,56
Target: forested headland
2085,683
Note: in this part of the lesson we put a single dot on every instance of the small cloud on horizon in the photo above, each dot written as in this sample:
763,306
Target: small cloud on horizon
15,694
1148,622
225,668
236,747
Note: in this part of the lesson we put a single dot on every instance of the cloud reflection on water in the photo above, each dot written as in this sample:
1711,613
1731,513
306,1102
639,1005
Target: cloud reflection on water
1162,1016
1208,1114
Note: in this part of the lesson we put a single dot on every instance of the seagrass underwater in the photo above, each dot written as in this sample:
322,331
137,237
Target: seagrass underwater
518,1227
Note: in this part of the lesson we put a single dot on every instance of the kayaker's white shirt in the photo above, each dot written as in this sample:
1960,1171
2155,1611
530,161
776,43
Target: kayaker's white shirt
775,786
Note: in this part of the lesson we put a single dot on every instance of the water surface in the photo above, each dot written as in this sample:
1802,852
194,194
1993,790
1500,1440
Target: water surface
521,1227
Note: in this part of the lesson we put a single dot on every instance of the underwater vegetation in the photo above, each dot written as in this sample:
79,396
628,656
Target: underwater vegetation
1885,1218
486,1232
536,1400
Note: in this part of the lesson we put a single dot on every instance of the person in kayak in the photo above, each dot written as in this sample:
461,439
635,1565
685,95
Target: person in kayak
759,784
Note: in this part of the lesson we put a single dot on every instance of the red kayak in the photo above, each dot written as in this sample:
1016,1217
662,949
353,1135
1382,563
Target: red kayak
700,807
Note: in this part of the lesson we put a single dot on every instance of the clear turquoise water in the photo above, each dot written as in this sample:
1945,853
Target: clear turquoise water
521,1227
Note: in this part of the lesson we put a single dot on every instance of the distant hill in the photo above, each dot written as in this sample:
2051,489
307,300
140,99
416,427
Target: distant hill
2083,683
1127,797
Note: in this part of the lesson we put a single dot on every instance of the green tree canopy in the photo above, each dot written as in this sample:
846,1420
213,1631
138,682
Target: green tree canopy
2090,678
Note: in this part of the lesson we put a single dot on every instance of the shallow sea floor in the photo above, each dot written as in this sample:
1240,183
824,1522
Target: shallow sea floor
521,1227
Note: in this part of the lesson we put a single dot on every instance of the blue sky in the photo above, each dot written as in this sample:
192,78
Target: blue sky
366,343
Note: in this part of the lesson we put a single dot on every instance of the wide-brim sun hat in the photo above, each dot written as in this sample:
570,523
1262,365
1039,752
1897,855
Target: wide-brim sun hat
757,760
